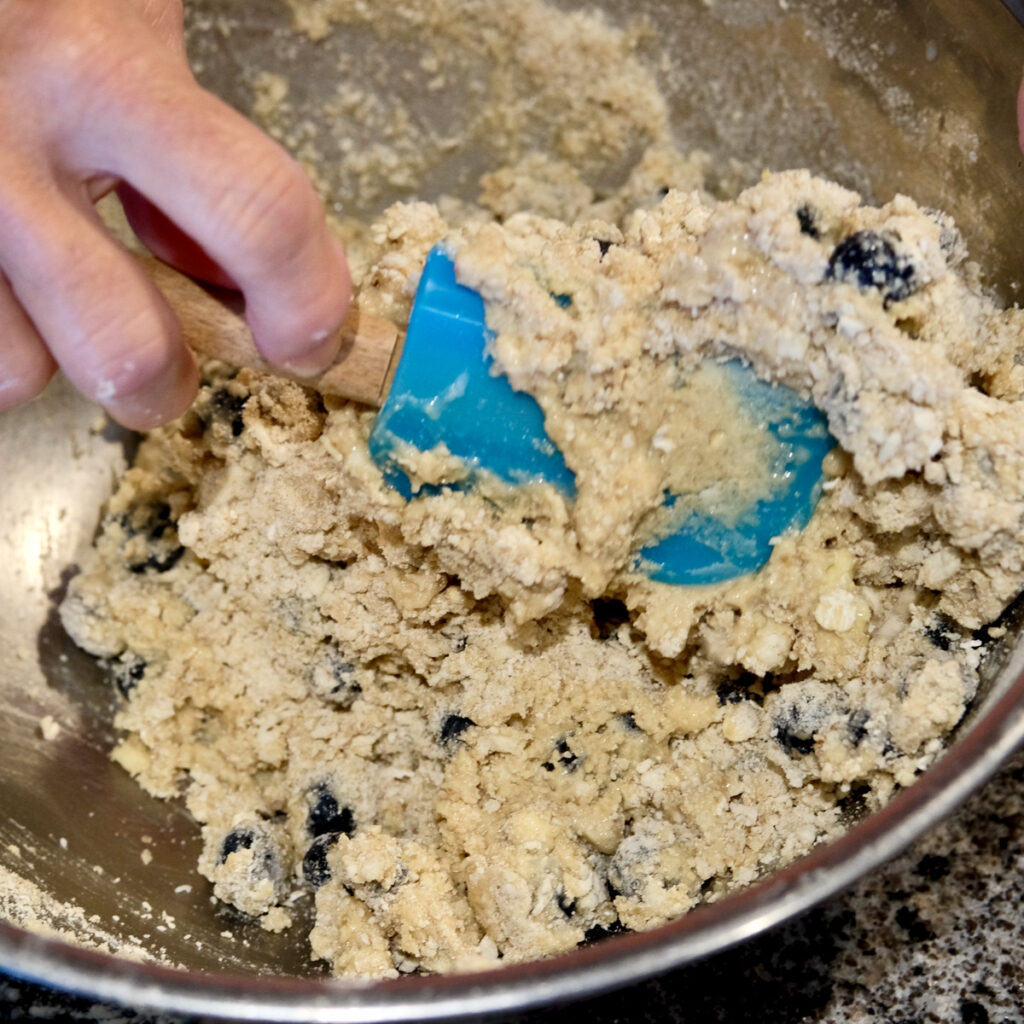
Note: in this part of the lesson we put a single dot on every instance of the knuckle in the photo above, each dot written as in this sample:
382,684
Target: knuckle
88,49
267,217
96,59
77,46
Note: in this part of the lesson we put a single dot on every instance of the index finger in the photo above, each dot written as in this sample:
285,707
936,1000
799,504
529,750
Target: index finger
242,198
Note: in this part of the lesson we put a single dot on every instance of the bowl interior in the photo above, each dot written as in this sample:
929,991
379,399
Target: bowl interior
916,98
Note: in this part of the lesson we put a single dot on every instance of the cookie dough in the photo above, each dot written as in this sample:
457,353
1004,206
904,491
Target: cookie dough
464,725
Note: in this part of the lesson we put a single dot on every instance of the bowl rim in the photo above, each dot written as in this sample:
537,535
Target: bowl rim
613,962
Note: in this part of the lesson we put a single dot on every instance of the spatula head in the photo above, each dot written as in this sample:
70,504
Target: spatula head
446,391
704,548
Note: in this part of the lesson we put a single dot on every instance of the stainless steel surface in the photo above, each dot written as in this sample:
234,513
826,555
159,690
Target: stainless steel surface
915,97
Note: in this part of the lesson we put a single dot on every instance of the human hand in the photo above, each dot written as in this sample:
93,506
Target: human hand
97,94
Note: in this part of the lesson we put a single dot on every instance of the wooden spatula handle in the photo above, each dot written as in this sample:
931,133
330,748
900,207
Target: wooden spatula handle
370,346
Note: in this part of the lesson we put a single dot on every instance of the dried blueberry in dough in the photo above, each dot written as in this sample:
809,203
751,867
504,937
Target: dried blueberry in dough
808,221
793,733
599,932
735,689
452,729
151,539
240,838
799,712
315,869
326,816
127,672
251,867
868,260
563,757
333,679
566,905
942,633
223,410
857,726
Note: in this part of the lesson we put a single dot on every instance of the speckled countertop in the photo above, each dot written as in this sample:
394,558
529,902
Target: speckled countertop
936,936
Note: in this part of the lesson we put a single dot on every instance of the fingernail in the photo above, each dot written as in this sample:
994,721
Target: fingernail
314,362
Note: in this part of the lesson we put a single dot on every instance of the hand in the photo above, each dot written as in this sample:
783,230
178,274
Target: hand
97,94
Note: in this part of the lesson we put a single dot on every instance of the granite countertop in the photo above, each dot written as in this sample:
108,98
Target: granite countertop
936,936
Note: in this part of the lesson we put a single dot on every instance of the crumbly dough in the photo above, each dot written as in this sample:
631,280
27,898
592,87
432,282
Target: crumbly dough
465,725
463,721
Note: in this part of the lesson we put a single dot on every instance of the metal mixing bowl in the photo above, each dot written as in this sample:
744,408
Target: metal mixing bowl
915,97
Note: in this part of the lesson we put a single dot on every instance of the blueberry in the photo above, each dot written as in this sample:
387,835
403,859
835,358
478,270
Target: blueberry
253,866
857,726
808,221
564,301
565,905
942,632
801,710
792,734
315,869
325,815
222,407
333,679
599,932
609,614
868,260
564,758
127,673
745,686
154,523
730,692
452,728
240,838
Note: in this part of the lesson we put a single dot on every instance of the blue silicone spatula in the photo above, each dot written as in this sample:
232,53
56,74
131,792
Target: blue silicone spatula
440,388
445,391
